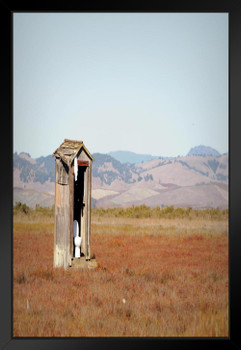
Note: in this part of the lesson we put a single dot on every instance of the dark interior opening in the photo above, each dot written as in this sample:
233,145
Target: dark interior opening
79,198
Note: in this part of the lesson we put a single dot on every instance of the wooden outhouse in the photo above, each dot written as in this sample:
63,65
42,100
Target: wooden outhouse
73,168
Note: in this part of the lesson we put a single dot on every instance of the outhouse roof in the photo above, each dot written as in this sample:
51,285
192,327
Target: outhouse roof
68,150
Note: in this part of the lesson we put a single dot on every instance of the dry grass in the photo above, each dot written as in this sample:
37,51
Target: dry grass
156,277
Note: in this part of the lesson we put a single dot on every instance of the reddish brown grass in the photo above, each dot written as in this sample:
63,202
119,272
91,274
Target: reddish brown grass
152,280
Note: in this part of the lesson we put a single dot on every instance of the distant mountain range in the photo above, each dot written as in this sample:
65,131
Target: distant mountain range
203,151
199,179
135,158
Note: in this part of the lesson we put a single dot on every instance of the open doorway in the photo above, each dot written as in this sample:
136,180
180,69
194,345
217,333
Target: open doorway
79,205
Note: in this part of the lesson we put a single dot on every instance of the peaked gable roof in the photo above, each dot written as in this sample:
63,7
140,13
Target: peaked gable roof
68,150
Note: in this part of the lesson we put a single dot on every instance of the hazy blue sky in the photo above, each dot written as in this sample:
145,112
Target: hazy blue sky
153,83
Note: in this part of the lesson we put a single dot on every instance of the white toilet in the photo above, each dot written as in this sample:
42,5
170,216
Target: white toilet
77,239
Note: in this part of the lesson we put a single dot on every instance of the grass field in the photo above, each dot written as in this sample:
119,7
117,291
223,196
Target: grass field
155,277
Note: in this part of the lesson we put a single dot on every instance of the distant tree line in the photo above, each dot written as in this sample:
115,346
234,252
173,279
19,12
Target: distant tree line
141,211
162,211
23,208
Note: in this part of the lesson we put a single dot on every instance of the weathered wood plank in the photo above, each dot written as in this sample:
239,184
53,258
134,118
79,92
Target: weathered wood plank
84,219
88,210
83,163
71,214
83,156
62,172
62,226
83,250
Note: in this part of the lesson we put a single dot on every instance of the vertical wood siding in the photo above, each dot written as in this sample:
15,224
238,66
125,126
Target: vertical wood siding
61,256
71,212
